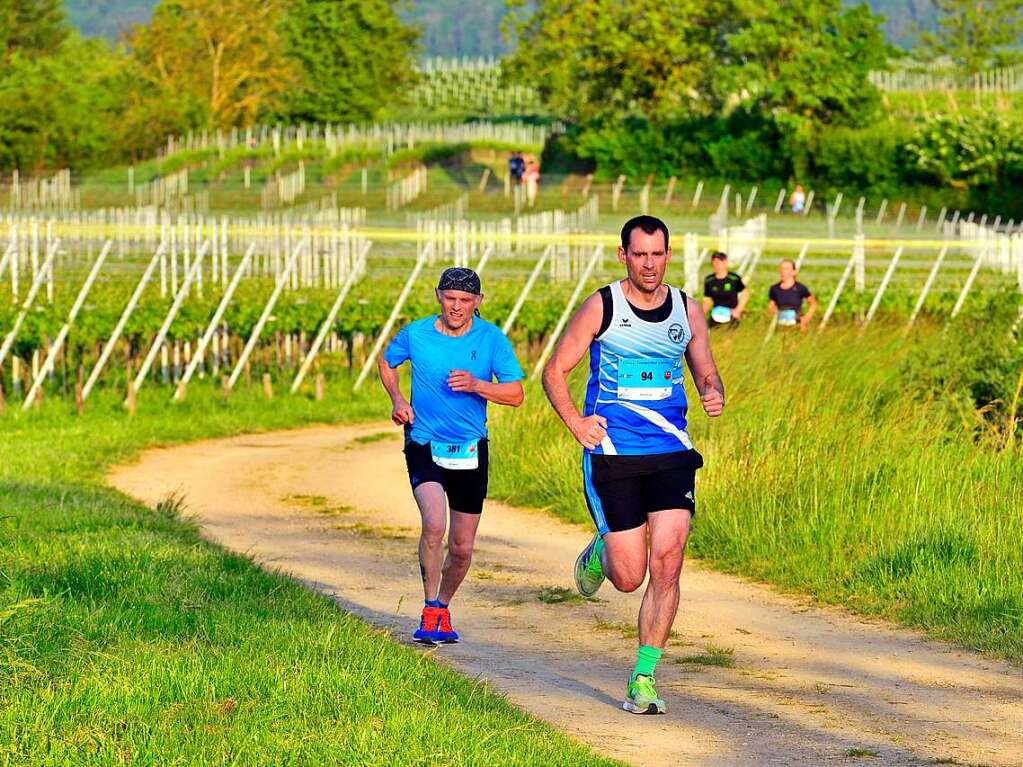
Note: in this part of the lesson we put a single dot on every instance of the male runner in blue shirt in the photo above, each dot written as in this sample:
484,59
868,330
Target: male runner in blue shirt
455,358
639,465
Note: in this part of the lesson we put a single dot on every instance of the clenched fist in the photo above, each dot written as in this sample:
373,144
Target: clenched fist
589,431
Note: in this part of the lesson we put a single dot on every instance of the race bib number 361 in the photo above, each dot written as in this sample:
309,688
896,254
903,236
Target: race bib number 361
644,379
456,455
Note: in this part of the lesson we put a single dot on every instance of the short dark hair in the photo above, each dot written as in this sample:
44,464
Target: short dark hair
648,224
717,254
789,261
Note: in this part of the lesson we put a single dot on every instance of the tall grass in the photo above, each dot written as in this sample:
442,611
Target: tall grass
840,471
127,639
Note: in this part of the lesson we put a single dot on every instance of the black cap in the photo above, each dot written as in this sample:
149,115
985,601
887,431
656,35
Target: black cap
460,278
718,255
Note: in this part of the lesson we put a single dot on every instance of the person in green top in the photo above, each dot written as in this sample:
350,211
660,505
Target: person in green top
724,294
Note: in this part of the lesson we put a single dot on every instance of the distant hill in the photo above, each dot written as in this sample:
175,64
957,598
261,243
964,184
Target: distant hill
457,27
108,18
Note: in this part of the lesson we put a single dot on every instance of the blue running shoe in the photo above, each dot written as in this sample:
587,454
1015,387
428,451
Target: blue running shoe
445,633
429,627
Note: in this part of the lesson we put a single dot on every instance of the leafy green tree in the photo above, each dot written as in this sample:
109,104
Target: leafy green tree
975,34
62,110
804,60
32,27
607,58
355,55
225,54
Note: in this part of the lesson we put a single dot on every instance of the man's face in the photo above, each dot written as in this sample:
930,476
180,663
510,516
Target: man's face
720,267
457,307
787,271
646,259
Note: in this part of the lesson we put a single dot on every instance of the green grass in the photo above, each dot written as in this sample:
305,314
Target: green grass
721,657
126,638
836,472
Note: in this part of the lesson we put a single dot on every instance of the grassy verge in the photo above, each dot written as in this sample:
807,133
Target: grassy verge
836,472
126,638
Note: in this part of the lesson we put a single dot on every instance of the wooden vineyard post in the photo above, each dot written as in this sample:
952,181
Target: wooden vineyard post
79,402
616,192
533,275
328,322
179,299
37,284
598,252
268,387
927,287
669,191
321,386
385,331
130,399
487,253
966,287
225,389
780,200
881,288
282,280
58,343
3,401
850,264
697,194
119,328
204,341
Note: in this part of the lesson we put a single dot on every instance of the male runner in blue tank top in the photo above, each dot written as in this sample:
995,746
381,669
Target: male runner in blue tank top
639,466
455,358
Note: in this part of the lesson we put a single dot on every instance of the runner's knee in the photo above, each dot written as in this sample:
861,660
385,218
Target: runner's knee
433,533
460,549
626,580
665,567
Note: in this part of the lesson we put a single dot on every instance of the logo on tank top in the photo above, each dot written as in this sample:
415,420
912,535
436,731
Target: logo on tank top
675,332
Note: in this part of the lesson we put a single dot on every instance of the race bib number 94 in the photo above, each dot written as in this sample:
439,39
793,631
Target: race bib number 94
644,379
456,455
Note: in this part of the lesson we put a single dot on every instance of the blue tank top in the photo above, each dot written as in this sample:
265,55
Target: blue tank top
636,379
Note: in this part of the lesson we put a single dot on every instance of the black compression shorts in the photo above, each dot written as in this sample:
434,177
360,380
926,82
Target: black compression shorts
621,490
465,488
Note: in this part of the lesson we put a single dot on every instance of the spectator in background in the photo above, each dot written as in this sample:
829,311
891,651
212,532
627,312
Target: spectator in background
798,200
724,293
516,167
787,297
531,178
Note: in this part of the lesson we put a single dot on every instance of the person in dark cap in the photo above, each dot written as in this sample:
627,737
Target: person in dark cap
460,362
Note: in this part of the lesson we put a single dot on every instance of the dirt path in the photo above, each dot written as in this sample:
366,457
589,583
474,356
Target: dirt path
809,686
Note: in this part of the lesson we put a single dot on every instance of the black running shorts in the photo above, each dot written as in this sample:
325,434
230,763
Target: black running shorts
465,488
621,490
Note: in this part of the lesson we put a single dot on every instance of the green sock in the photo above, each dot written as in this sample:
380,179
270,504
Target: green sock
646,661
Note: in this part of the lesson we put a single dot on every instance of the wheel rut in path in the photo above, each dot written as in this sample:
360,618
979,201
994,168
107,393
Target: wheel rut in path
331,506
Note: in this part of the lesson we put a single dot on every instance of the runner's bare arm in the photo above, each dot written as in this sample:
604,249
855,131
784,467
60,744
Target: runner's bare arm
401,410
708,304
582,329
701,362
743,300
509,393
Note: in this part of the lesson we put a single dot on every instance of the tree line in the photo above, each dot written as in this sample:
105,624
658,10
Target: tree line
68,101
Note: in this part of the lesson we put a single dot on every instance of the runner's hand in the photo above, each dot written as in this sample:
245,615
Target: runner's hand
589,431
464,381
736,313
804,323
712,401
402,413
